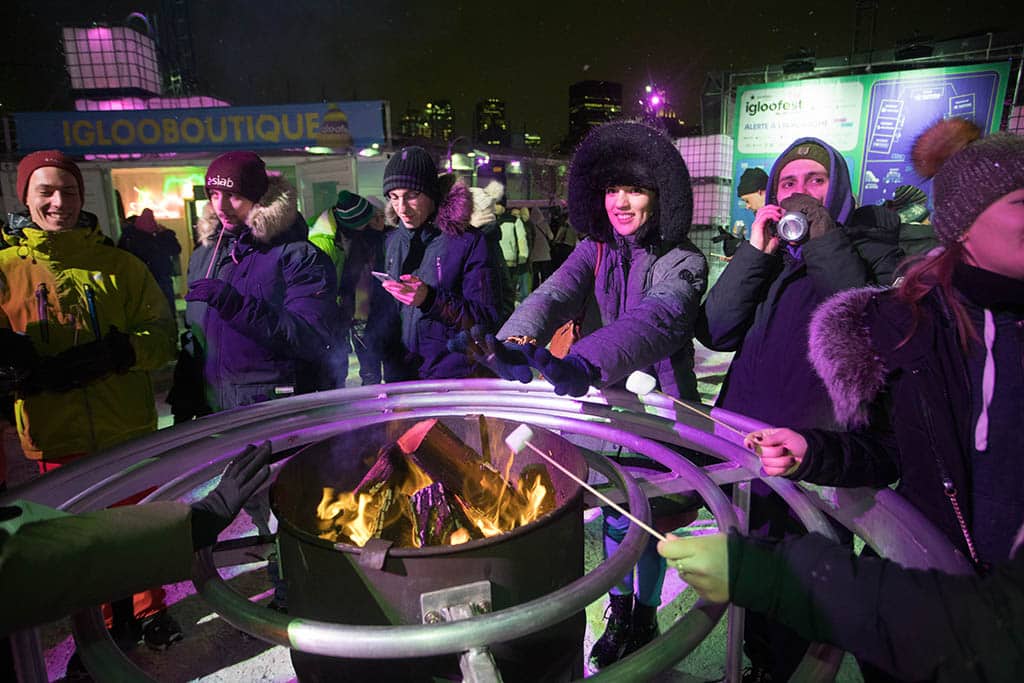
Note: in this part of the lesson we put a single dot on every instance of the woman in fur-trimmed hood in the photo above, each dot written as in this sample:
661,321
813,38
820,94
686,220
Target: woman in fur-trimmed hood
640,281
442,280
929,375
261,298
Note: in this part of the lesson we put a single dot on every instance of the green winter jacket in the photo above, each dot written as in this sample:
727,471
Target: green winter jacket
46,282
53,563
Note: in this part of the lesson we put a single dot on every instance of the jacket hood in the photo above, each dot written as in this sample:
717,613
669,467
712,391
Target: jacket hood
452,214
839,201
629,153
839,348
271,219
14,228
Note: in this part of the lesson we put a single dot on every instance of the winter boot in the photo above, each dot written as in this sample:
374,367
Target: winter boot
608,649
645,627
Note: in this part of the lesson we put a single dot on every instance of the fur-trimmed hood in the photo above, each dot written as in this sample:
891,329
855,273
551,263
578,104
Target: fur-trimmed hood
270,220
629,153
452,214
839,347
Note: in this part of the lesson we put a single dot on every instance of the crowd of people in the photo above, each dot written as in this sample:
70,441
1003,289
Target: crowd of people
871,368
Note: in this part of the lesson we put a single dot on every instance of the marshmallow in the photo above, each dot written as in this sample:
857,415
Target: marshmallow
640,383
519,437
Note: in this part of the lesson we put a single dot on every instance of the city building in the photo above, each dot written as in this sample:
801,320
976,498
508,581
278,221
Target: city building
440,117
592,103
490,127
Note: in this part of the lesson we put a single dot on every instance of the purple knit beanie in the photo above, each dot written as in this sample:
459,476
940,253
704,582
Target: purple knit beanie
243,173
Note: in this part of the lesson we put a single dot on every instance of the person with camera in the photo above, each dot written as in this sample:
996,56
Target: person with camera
798,255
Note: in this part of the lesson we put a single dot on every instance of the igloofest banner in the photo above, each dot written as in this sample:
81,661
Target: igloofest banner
338,125
871,119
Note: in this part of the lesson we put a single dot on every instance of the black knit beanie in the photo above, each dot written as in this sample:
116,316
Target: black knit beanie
412,168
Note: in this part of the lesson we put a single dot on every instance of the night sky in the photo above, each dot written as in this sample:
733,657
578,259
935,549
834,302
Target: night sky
257,52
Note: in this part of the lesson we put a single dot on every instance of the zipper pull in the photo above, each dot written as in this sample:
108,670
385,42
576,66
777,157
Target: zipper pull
42,291
438,262
94,319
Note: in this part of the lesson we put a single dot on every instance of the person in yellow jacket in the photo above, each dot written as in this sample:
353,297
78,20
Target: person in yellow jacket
81,323
93,319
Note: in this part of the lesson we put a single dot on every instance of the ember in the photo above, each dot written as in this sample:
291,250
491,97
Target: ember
430,488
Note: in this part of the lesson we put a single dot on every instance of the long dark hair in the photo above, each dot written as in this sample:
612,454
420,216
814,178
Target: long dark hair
935,270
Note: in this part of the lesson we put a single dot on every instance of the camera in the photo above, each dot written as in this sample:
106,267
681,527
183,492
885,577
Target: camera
792,227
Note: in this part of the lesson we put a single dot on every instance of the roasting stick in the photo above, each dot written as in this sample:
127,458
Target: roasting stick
520,439
641,384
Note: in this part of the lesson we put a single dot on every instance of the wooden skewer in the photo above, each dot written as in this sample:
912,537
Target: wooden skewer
641,384
604,498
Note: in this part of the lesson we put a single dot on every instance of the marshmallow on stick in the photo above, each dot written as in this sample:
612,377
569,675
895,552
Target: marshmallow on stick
519,439
641,384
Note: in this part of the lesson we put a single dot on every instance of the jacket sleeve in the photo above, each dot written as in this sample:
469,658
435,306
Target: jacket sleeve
478,301
558,300
834,264
522,243
302,324
849,459
914,624
656,326
53,566
729,310
148,319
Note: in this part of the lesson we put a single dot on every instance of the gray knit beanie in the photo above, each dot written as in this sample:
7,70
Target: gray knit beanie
969,172
412,168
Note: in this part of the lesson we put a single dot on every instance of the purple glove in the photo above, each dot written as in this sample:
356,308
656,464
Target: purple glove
570,375
217,294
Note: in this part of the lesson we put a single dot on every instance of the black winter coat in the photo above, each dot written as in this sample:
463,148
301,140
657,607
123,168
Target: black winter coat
911,623
922,388
761,306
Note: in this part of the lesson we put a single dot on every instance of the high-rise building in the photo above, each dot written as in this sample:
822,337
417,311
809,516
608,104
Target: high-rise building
414,124
440,116
490,127
592,103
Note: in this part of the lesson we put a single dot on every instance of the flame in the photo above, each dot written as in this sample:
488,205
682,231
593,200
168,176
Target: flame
346,516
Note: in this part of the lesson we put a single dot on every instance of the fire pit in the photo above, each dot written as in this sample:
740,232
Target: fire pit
382,583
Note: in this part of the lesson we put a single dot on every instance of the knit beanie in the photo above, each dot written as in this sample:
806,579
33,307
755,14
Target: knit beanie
910,202
352,211
807,150
47,157
484,199
969,172
243,173
753,180
412,168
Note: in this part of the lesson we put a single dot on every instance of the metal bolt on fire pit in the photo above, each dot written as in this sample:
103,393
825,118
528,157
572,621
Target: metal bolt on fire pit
456,602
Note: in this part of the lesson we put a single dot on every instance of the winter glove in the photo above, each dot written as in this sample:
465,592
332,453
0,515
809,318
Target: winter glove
217,294
18,360
570,375
243,476
819,221
85,363
506,359
731,242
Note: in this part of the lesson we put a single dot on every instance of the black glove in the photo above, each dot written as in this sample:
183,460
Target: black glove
242,477
217,294
82,364
570,375
18,360
819,221
506,359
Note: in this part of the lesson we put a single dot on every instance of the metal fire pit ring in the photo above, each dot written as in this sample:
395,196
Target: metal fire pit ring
201,448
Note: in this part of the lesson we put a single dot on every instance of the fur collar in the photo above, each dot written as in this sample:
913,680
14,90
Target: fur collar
269,220
453,213
839,348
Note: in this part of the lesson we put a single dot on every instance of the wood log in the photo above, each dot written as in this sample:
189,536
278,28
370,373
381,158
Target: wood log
445,458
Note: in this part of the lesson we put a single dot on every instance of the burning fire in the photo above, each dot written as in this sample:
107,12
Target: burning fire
399,501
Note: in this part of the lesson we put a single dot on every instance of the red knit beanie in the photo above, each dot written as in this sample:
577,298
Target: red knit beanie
41,159
243,173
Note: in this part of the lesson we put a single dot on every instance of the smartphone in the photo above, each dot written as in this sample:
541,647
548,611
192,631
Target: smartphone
383,277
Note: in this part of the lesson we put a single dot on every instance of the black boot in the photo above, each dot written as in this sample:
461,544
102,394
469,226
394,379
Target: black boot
645,627
608,649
